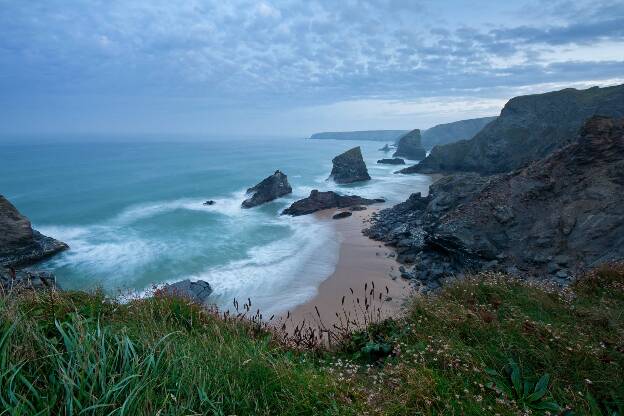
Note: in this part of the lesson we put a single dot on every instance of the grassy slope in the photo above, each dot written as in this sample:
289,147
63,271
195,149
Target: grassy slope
76,353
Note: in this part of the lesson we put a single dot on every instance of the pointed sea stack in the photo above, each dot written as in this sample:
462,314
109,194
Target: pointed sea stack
349,167
410,146
269,189
20,245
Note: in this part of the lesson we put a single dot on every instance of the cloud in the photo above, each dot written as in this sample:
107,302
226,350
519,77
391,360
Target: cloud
277,55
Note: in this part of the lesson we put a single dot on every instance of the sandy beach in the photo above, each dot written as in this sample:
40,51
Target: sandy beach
362,262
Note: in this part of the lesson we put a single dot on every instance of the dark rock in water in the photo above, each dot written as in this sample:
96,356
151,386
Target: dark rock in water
552,219
318,201
386,148
528,129
25,279
343,214
394,161
349,167
269,189
19,244
357,208
209,202
197,292
410,147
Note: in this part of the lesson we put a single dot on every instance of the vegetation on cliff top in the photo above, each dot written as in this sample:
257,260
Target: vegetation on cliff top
484,346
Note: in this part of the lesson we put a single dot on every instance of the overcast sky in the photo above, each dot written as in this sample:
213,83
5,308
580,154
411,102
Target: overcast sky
290,68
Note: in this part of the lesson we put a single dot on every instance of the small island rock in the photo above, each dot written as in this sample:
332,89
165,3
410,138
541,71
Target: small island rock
393,161
269,189
349,167
324,200
410,146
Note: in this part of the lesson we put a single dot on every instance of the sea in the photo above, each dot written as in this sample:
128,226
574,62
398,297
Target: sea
132,212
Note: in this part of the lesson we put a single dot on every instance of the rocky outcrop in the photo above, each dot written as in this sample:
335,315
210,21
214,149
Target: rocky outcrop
269,189
318,201
197,292
19,244
349,167
340,215
16,280
453,132
393,161
410,146
372,135
528,129
551,219
386,148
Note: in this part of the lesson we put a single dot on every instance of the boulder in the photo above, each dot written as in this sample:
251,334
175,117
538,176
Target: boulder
26,279
349,167
410,146
197,292
343,214
269,189
318,201
551,220
19,244
394,161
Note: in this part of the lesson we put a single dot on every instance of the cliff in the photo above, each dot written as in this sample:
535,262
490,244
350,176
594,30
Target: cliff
529,128
410,146
553,218
453,132
19,243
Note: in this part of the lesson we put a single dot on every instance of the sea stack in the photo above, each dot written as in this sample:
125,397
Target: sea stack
20,245
269,189
349,167
410,146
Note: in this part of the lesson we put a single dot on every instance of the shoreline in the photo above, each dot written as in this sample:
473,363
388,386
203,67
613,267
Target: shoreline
362,263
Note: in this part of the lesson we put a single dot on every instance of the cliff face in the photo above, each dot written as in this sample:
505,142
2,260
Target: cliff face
453,132
554,217
19,243
349,167
410,146
529,128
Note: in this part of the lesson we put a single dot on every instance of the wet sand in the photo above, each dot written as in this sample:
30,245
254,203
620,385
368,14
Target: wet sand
362,261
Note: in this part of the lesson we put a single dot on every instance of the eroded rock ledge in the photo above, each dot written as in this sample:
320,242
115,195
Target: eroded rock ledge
318,201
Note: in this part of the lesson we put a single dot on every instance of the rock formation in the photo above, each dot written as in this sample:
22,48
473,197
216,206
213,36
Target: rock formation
12,280
342,214
19,244
410,147
393,161
453,132
528,129
551,219
386,148
269,189
197,292
318,201
349,167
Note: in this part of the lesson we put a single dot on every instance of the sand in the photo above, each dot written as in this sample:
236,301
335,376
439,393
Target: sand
362,261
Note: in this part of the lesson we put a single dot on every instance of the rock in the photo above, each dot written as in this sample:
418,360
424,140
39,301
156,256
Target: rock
528,129
343,214
394,161
269,189
556,217
197,292
19,244
26,279
386,148
349,167
324,200
209,202
410,147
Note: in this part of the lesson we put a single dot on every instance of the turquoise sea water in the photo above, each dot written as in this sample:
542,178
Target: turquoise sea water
132,213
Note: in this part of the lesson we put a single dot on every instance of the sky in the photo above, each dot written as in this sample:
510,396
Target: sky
290,68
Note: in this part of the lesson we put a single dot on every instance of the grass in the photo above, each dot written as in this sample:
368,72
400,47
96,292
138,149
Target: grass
489,345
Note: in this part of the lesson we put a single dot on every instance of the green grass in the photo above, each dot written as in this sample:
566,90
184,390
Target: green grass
484,346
